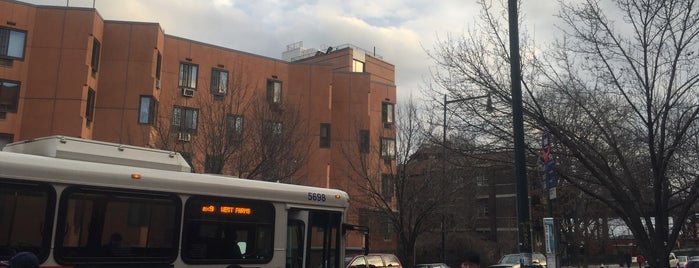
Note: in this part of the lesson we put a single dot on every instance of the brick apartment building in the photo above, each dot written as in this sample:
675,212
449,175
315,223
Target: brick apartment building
487,206
67,71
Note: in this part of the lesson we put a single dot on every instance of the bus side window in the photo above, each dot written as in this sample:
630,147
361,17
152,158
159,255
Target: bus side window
106,226
26,212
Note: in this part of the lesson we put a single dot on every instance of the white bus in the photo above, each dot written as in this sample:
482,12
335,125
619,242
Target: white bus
83,203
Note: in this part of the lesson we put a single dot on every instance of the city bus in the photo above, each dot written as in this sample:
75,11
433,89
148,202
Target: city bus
84,203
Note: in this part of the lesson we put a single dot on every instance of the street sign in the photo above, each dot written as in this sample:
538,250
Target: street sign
550,237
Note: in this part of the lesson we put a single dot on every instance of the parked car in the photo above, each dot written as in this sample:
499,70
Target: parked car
681,261
374,260
512,261
674,262
692,263
432,265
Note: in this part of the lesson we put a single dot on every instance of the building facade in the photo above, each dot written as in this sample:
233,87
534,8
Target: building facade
67,71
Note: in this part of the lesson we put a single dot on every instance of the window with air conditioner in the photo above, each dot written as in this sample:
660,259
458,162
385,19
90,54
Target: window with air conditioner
182,136
188,75
187,92
184,119
12,43
219,81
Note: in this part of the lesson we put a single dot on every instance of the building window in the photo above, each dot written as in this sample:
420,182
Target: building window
12,43
158,65
95,62
364,141
274,92
387,229
188,75
481,180
146,110
387,113
234,127
483,209
357,66
184,119
5,139
9,96
219,82
387,187
324,135
388,148
90,108
273,127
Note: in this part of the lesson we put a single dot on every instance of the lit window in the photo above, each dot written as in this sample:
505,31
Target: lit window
219,82
146,110
388,148
274,91
357,66
9,96
184,119
387,113
12,43
324,135
188,75
90,108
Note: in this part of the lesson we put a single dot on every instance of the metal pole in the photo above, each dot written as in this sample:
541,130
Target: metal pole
525,246
444,155
444,174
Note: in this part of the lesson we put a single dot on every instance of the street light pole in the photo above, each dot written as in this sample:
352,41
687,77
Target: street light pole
525,245
444,156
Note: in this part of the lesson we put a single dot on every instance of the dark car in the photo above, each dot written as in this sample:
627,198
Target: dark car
512,261
692,263
374,260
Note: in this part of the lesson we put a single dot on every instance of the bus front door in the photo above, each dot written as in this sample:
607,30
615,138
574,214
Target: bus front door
314,239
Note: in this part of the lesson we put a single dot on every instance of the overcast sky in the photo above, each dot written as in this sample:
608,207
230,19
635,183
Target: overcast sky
398,30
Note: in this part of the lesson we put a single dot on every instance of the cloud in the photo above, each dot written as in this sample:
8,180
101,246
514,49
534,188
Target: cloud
398,30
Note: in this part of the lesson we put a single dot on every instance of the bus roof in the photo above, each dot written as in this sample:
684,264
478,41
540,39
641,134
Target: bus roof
100,152
46,167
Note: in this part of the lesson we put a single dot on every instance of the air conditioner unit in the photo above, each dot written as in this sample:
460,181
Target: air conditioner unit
157,83
387,125
187,92
184,137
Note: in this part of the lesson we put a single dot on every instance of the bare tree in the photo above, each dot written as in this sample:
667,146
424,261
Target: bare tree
413,195
235,130
619,96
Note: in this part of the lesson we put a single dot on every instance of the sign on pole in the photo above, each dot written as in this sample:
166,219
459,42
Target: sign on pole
550,237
